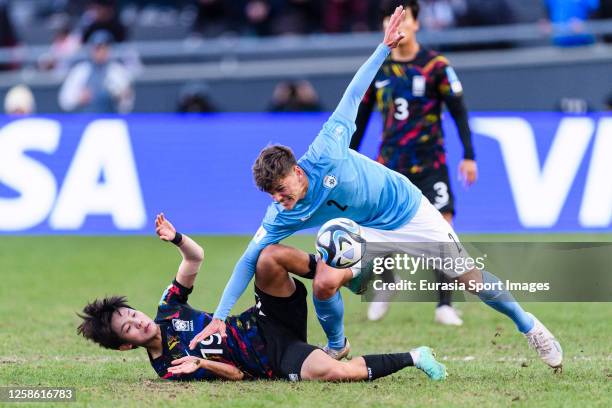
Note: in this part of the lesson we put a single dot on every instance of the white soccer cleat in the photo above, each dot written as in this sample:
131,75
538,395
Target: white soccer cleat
547,347
448,316
377,310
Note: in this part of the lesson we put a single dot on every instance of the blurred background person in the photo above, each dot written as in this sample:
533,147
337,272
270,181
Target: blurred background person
567,18
608,103
299,17
63,49
216,17
195,98
102,15
8,37
258,15
441,14
19,100
605,12
295,96
346,16
98,85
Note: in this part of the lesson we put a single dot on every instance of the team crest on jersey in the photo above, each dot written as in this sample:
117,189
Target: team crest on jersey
182,325
330,181
339,131
418,85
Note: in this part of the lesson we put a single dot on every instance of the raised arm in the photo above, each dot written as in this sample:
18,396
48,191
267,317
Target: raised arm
363,117
192,253
349,104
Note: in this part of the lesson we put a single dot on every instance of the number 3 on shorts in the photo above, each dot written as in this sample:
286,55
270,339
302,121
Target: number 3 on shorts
442,197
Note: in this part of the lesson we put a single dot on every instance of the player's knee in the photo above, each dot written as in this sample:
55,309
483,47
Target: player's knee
325,285
267,263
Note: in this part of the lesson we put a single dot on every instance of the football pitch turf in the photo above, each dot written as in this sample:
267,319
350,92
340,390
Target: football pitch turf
45,280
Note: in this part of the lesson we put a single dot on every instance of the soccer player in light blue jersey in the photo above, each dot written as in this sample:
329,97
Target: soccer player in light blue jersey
331,181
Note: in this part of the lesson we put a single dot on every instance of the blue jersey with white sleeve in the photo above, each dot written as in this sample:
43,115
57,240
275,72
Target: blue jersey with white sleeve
341,183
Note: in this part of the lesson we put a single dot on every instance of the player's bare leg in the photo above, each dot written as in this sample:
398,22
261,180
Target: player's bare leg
273,267
320,366
330,308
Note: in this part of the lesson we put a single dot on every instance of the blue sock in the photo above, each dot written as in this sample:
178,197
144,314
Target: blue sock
503,302
330,313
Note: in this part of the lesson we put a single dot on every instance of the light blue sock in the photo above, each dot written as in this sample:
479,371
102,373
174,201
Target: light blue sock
330,313
503,302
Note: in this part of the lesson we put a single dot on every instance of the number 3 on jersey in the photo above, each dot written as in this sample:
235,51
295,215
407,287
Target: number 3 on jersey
401,109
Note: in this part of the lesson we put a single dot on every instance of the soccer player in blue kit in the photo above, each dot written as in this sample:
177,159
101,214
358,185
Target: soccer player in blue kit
331,181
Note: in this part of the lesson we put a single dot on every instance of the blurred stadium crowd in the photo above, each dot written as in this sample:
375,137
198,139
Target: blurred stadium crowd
27,20
78,36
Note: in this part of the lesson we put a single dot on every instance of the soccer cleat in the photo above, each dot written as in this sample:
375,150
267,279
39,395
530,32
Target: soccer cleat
425,360
338,354
447,315
547,347
377,310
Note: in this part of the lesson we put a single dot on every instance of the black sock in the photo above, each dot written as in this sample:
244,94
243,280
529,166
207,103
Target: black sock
312,266
381,365
444,296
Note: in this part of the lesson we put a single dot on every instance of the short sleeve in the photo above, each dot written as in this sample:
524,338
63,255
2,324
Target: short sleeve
447,79
175,293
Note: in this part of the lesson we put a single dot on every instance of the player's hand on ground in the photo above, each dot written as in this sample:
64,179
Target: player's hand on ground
468,172
215,326
164,228
185,365
392,34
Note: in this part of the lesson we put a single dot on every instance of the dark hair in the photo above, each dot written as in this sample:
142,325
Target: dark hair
97,317
274,162
389,6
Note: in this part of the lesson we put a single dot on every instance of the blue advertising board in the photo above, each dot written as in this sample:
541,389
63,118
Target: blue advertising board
91,175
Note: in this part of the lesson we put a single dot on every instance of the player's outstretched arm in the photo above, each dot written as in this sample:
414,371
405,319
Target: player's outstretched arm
190,364
349,104
192,253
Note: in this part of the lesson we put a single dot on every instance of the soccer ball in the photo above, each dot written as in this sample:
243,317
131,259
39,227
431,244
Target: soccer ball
340,244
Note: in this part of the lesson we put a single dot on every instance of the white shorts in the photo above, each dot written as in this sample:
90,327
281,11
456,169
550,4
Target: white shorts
419,237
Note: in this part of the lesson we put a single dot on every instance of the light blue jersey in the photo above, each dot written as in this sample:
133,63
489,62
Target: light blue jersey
341,183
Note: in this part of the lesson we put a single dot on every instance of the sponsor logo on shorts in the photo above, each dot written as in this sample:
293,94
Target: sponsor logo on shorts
182,325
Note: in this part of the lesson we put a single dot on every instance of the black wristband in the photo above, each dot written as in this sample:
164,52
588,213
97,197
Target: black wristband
178,238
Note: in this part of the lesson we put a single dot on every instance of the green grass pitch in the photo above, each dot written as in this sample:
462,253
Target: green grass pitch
45,280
